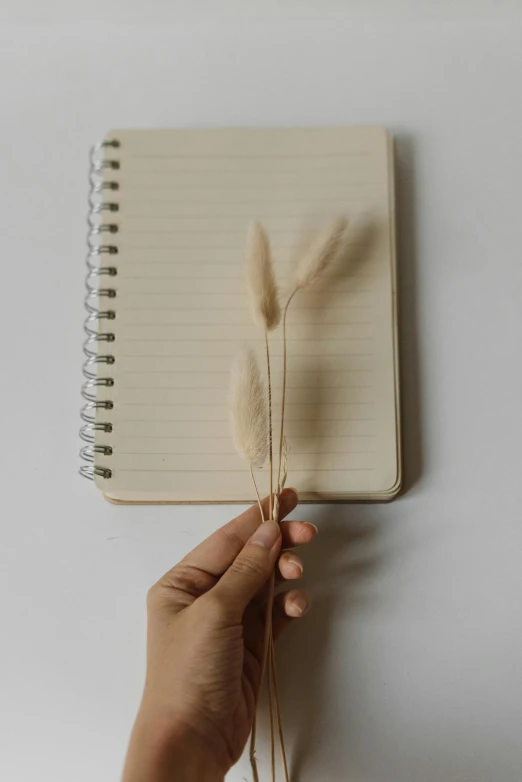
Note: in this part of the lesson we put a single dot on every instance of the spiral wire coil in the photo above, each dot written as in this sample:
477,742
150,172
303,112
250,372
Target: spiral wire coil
98,306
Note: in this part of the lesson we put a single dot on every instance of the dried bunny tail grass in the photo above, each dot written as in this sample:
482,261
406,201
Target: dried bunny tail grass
248,409
284,453
282,476
262,294
320,254
249,418
278,713
260,278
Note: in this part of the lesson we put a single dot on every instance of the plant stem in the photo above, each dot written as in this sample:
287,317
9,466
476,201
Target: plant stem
253,762
264,663
283,399
268,663
269,683
269,638
257,493
268,621
278,713
270,450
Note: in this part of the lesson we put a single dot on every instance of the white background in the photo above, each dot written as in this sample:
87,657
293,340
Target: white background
409,667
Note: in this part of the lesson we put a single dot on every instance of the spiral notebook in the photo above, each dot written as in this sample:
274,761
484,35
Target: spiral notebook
167,312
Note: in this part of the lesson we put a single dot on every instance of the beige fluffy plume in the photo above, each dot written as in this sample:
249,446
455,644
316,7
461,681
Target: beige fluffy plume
248,409
320,254
260,278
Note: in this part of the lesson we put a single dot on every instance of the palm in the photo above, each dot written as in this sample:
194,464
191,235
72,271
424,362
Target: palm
205,648
232,677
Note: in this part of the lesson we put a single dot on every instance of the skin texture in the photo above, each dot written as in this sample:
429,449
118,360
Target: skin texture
204,647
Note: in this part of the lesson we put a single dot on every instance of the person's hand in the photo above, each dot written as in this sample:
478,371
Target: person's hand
205,645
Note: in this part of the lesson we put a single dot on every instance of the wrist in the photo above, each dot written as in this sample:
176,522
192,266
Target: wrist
164,750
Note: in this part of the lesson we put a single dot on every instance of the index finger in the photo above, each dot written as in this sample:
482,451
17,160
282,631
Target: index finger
217,552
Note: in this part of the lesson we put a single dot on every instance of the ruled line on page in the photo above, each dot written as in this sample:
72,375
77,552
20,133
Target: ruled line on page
159,340
220,388
233,248
226,472
239,308
219,407
237,156
230,324
337,205
225,355
166,192
226,420
219,437
305,370
125,198
311,454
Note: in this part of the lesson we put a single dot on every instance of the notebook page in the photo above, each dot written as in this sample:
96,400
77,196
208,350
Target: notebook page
185,202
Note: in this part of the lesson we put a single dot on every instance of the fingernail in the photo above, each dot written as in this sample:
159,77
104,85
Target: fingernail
298,606
266,534
294,561
311,525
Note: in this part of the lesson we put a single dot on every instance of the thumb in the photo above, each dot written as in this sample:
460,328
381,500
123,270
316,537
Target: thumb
250,570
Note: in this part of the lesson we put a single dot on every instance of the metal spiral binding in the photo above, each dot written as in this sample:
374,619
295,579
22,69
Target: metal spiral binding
98,249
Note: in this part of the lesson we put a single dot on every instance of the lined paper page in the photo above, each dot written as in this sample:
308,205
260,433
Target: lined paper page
185,202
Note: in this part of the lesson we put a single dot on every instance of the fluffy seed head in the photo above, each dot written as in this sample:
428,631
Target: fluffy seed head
320,254
260,278
248,409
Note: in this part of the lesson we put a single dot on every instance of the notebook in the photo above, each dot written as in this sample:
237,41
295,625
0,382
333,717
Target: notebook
167,312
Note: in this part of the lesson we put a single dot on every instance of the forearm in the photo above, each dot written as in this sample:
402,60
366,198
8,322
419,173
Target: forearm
160,753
